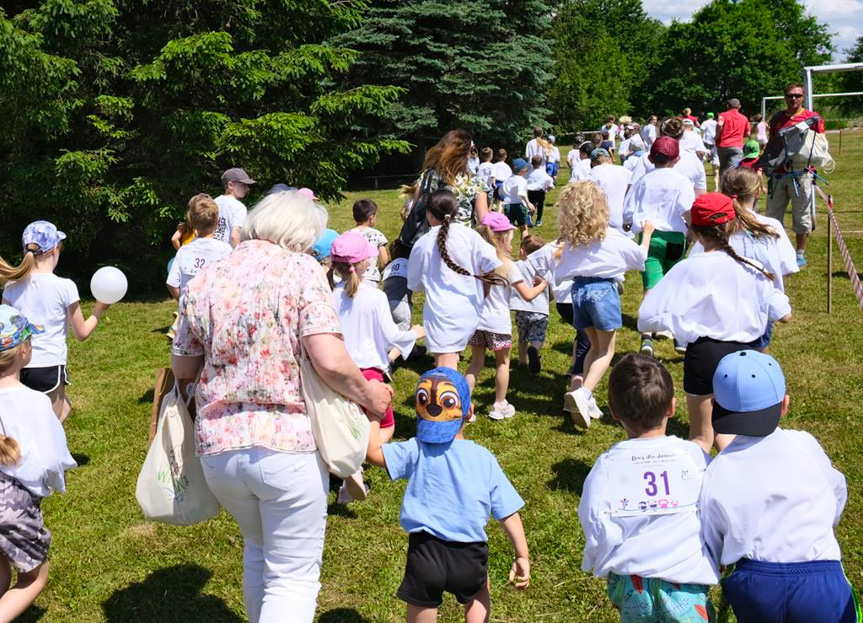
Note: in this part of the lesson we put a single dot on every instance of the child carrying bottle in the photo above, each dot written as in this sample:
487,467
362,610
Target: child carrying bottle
453,487
594,256
494,331
51,302
371,337
33,457
639,506
452,264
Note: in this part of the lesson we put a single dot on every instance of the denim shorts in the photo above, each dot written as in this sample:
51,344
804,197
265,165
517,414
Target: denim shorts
596,303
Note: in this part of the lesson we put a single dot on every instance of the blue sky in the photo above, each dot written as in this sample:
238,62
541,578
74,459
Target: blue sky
844,18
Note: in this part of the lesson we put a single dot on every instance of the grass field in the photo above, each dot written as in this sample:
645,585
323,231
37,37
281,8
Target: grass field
109,564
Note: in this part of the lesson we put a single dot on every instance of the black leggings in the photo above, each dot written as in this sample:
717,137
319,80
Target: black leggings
537,198
582,341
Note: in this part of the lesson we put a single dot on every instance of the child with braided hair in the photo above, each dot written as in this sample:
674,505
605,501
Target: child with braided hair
453,266
718,302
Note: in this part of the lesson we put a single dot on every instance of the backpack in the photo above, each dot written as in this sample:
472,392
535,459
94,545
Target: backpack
416,225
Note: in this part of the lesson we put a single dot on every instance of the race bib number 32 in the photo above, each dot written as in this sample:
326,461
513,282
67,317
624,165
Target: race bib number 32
655,483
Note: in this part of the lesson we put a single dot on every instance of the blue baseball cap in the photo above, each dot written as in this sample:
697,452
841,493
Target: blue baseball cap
321,248
749,389
14,328
518,164
44,235
442,403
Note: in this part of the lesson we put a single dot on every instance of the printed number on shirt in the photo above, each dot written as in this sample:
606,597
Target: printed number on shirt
655,483
199,262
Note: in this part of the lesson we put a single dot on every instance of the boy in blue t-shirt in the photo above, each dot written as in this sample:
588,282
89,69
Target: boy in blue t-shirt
453,487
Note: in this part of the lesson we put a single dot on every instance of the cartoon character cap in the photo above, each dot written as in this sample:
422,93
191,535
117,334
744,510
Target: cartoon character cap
442,402
14,328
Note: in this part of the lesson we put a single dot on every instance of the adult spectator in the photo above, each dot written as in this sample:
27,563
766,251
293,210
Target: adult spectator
232,212
650,131
687,165
245,322
732,130
691,141
792,185
687,114
611,129
759,127
613,180
708,135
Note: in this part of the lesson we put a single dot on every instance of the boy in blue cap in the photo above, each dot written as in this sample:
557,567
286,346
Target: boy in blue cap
453,487
769,503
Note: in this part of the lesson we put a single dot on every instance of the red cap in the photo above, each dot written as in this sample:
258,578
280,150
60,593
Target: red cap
665,147
712,209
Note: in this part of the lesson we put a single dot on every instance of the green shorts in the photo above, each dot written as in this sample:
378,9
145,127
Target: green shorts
517,213
652,600
666,249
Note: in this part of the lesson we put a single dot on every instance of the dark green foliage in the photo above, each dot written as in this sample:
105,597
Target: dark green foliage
478,64
117,111
850,82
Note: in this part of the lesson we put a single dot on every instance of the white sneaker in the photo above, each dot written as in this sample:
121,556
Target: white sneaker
578,407
666,335
593,409
501,411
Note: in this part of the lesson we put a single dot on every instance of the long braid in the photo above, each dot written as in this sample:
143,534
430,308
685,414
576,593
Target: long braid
443,232
719,235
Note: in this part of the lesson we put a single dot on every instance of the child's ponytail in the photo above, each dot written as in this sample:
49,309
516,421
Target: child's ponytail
16,273
10,452
747,221
350,276
719,235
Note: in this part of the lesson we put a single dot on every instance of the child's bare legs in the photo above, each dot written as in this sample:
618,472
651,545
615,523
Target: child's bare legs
522,353
477,610
60,402
599,356
501,374
700,420
17,599
417,614
477,361
446,360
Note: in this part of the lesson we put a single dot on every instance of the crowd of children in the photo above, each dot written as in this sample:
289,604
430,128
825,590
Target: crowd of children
662,520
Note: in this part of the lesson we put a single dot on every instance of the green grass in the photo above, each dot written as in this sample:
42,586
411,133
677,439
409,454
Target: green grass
108,564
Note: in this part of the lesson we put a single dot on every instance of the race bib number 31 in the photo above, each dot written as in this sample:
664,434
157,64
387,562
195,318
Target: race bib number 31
655,483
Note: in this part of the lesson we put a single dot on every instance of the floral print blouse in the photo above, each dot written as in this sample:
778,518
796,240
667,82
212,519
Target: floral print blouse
465,189
245,314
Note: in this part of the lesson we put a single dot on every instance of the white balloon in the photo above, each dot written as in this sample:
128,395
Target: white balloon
108,285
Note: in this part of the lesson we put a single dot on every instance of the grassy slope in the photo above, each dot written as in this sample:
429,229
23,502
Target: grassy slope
111,565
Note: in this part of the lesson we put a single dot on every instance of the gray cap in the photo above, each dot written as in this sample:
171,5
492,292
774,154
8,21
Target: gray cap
236,175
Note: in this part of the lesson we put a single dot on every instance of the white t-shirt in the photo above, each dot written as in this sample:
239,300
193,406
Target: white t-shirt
691,142
501,171
495,309
581,171
377,240
192,257
776,254
651,544
554,156
612,134
689,166
649,135
624,147
606,259
514,189
542,260
708,131
538,179
486,172
452,301
790,501
662,197
532,149
712,295
572,158
630,163
636,143
613,179
44,299
232,213
539,305
28,418
473,164
368,327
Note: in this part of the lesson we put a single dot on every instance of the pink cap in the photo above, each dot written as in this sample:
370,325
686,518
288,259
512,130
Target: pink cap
496,222
350,248
308,192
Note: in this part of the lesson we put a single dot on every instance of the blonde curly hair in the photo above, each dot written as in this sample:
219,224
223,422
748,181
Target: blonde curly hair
582,214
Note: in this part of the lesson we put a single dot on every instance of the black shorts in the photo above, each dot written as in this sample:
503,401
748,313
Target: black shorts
435,566
44,379
701,360
564,310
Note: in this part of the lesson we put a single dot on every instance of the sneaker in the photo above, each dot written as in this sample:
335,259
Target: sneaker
579,410
646,347
501,411
665,335
593,409
355,487
534,359
801,260
539,223
680,347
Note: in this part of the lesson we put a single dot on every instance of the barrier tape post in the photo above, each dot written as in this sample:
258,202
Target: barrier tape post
830,255
843,249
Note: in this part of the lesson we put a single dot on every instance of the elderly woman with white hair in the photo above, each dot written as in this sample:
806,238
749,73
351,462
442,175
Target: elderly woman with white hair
244,323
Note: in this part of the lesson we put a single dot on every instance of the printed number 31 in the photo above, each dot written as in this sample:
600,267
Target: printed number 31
652,489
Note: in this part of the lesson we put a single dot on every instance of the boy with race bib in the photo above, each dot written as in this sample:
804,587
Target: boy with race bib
639,507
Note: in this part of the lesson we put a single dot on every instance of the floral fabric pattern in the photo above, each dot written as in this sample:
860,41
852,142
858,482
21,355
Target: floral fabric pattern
245,314
465,189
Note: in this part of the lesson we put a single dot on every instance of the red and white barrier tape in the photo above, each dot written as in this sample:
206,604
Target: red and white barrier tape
843,249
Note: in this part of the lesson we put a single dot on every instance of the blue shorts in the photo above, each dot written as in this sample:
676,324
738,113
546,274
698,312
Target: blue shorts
800,592
653,600
596,303
551,168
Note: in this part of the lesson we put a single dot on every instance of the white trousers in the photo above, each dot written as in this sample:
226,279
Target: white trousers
280,502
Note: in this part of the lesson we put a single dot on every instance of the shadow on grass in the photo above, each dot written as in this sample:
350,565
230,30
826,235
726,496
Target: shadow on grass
81,459
340,510
570,475
147,397
343,615
170,594
31,615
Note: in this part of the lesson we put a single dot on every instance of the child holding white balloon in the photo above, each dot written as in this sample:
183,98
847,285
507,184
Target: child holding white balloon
51,302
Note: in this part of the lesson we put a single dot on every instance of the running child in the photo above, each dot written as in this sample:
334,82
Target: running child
494,331
539,184
513,193
232,212
664,197
453,487
366,217
486,167
371,337
531,317
639,505
595,256
33,457
203,217
51,302
501,173
452,264
395,286
718,302
777,529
